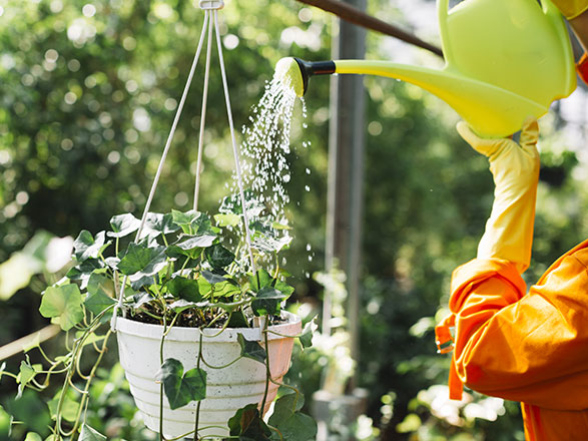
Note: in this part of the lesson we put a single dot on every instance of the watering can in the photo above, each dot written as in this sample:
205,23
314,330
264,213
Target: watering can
505,60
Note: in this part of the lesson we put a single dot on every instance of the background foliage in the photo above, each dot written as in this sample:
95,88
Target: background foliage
88,90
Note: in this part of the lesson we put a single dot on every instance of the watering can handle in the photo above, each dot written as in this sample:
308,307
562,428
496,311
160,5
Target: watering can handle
442,16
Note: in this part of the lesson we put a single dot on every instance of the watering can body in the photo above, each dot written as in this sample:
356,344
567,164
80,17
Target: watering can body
505,60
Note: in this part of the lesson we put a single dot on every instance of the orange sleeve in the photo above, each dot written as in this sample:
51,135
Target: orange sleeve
523,347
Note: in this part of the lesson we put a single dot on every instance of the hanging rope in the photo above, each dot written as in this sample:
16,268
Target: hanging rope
210,8
203,113
234,141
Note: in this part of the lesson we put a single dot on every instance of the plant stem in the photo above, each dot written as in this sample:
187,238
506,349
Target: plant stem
268,375
161,437
197,417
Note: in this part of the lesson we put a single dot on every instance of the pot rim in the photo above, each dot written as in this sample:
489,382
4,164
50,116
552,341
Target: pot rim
154,332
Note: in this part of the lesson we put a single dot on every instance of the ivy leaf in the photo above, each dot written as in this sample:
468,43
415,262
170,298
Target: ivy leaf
213,277
181,305
123,224
268,244
227,288
89,434
139,280
196,242
64,303
219,257
299,427
84,270
267,301
158,223
100,294
307,333
32,436
141,299
284,288
183,288
69,407
227,219
261,279
237,319
181,389
285,407
26,374
139,258
192,222
247,424
86,246
251,349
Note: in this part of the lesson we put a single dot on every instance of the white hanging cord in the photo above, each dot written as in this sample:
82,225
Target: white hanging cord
203,114
234,140
119,304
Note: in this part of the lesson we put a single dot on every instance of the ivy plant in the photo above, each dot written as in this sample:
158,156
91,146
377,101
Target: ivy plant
185,269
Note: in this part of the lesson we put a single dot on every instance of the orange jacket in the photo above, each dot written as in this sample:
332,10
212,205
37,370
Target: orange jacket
528,347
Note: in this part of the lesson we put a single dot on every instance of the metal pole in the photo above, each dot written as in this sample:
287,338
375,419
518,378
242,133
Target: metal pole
346,160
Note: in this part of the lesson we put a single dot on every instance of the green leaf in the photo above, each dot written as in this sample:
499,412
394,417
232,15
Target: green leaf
213,277
141,299
285,407
69,408
238,320
193,222
260,280
84,270
307,333
86,246
139,258
227,220
227,288
267,301
284,288
219,257
123,224
181,389
65,303
299,427
5,424
251,349
197,242
89,434
100,294
183,288
32,436
247,424
157,223
26,374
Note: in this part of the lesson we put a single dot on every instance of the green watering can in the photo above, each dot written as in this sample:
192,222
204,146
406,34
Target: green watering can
505,60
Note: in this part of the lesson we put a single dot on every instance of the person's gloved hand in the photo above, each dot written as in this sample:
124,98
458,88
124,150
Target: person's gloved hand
509,230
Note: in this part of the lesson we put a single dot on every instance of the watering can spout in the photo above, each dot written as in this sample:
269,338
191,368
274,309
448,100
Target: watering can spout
505,60
490,110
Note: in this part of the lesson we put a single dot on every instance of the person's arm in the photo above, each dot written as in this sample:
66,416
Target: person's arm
523,347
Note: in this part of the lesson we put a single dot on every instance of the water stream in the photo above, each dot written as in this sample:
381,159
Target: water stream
264,151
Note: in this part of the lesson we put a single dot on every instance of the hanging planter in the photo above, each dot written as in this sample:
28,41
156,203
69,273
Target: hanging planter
196,303
236,382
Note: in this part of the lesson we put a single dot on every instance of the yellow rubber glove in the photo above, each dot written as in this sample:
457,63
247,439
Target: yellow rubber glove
571,8
509,230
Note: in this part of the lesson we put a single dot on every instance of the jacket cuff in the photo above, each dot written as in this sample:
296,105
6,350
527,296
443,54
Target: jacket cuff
466,277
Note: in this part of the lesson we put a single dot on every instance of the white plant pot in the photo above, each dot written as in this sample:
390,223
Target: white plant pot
228,389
